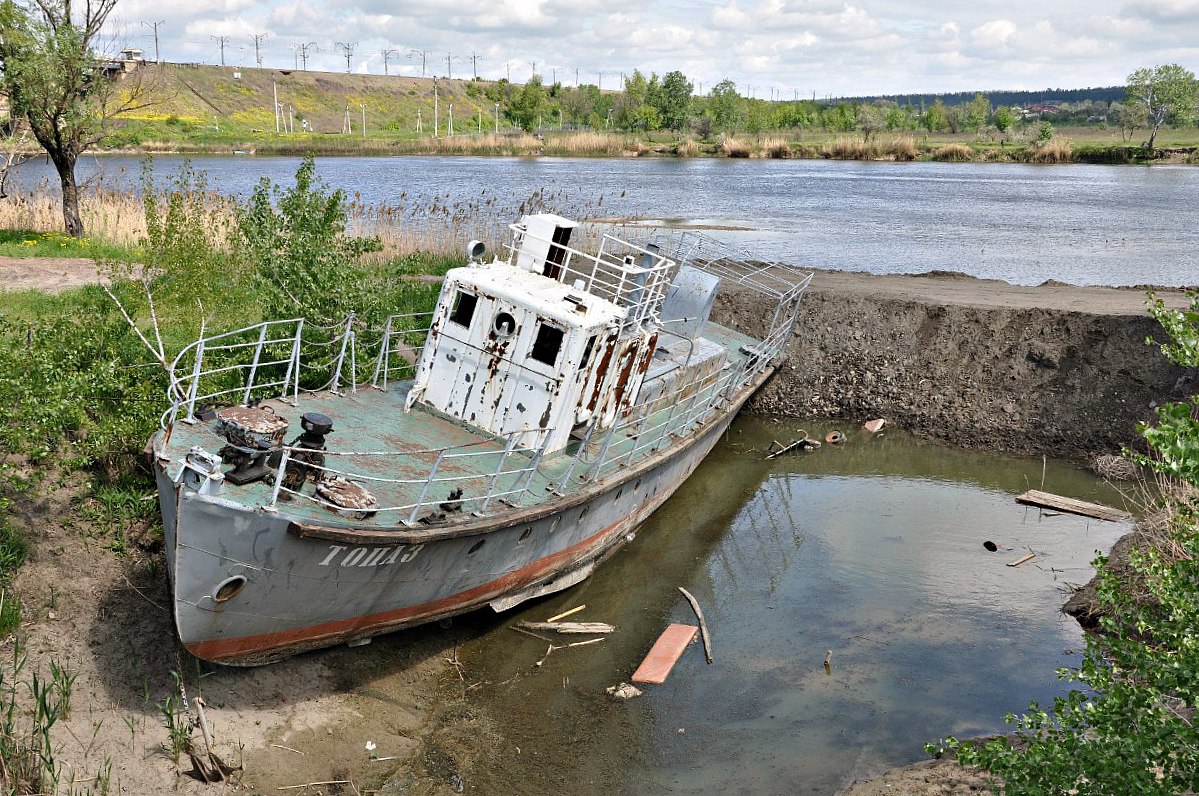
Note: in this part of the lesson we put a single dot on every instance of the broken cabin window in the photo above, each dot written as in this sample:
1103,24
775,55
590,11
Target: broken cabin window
464,308
587,351
547,344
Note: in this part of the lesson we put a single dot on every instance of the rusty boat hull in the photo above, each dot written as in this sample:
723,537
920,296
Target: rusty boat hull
493,450
308,586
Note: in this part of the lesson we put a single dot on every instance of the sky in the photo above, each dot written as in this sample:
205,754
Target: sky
771,49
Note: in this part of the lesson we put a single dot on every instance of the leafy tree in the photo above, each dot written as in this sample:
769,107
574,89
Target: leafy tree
977,112
635,109
1167,93
934,119
528,104
56,82
296,242
1004,118
840,119
724,104
674,101
871,119
897,118
1129,730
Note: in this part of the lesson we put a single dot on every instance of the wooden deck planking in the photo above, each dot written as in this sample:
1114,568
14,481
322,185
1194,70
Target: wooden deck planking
1047,500
665,654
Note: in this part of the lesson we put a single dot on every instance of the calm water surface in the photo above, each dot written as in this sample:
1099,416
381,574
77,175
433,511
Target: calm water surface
873,551
1095,225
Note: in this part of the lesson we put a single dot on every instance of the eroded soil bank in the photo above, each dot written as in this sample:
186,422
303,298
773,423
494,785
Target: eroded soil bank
1055,369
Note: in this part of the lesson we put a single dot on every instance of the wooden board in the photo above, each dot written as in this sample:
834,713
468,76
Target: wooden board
1046,500
664,654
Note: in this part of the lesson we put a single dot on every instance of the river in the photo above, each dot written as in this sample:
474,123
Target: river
1024,224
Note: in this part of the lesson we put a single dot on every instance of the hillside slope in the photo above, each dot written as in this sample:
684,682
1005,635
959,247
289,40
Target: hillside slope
239,100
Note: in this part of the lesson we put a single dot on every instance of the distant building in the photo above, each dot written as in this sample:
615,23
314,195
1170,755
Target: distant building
129,60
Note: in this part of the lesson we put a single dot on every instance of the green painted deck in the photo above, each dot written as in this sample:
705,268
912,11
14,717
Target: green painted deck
391,453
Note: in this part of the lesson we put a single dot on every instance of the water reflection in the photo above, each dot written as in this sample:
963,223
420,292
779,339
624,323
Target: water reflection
872,551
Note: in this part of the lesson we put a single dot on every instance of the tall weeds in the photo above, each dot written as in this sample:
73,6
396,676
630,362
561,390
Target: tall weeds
954,153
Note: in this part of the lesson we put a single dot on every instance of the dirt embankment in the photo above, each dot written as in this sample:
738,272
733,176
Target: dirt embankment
1055,369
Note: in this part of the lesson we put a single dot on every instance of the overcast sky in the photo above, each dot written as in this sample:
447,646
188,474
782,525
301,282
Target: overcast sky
770,48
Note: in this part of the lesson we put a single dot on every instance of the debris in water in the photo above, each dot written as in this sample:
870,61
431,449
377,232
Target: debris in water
665,654
1047,500
624,691
874,426
991,546
1028,557
565,614
568,627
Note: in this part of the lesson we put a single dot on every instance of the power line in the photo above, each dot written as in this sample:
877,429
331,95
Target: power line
348,49
221,40
302,52
449,72
155,25
258,37
386,55
474,66
423,55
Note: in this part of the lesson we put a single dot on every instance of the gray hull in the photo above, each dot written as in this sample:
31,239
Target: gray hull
253,585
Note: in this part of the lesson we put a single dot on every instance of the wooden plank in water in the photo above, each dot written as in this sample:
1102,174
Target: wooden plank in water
665,654
1046,500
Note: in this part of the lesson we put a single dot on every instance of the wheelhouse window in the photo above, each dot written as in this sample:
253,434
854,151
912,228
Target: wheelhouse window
547,344
464,308
587,351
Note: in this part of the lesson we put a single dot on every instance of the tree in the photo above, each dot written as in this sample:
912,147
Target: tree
934,119
1167,93
976,113
527,105
724,103
56,82
1004,119
871,119
674,100
635,109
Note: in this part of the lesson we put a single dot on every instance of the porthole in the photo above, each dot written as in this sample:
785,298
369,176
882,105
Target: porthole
475,547
228,588
504,324
524,537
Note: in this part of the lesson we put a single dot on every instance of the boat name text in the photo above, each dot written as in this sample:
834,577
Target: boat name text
370,556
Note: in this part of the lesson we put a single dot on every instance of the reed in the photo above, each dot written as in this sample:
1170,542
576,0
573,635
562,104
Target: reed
1056,150
687,148
733,147
954,153
776,148
843,148
903,148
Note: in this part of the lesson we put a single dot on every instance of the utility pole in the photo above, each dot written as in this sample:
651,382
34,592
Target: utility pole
533,74
302,51
451,120
576,77
346,127
348,49
420,130
221,41
436,110
508,71
497,118
474,66
258,37
449,72
423,55
363,106
275,89
154,25
386,55
555,80
601,82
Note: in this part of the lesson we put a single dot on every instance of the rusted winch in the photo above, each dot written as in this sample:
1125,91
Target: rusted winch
253,433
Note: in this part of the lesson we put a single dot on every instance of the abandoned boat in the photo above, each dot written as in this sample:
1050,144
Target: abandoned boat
491,451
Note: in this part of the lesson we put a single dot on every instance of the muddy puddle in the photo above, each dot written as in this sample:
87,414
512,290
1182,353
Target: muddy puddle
872,551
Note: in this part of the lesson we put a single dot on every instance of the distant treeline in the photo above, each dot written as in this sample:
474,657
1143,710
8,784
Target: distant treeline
1048,96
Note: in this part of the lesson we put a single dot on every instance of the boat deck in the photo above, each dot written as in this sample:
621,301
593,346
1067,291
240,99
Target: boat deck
411,462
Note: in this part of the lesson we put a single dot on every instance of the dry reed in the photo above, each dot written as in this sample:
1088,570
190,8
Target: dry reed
954,153
733,147
1056,150
903,148
687,148
775,148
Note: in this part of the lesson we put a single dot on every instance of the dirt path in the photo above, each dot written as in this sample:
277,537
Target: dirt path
48,274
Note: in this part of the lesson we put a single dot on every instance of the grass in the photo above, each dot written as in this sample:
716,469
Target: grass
29,243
